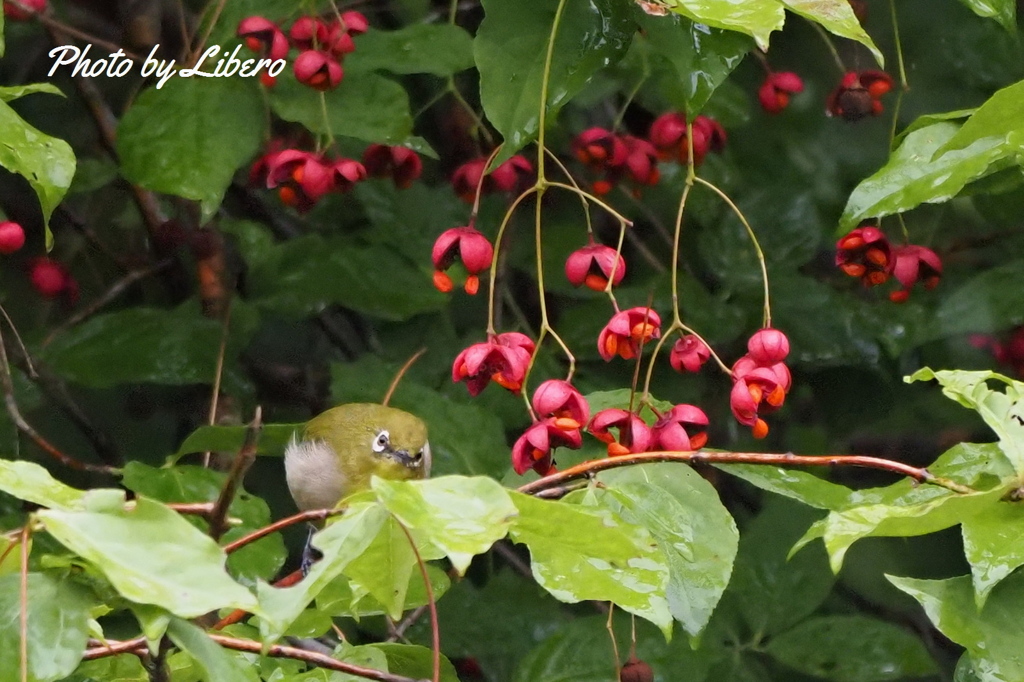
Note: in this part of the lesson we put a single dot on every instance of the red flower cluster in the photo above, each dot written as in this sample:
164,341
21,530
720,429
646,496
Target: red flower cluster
775,92
468,245
401,164
594,265
627,331
866,253
761,379
668,135
321,44
502,359
514,174
684,428
15,13
562,412
689,354
859,94
1010,352
303,177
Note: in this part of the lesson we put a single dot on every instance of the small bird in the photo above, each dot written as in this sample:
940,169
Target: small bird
342,448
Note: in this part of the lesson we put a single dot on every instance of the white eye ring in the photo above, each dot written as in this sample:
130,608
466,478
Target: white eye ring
381,441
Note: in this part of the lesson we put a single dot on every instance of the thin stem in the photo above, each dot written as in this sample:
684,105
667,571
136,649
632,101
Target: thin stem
757,247
544,83
676,318
704,457
453,10
218,373
478,123
327,120
23,610
831,46
209,29
494,258
435,630
579,191
218,517
401,373
904,85
480,187
590,197
609,626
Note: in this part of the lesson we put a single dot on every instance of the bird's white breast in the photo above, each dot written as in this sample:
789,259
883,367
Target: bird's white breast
314,474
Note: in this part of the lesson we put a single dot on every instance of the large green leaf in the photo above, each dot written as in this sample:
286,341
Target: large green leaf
511,47
852,648
703,57
684,515
579,553
48,163
149,553
1003,11
189,137
1001,410
914,176
439,49
366,106
153,345
30,482
384,569
770,590
459,515
213,662
837,17
340,543
757,18
13,92
57,626
991,635
273,439
793,483
994,544
415,661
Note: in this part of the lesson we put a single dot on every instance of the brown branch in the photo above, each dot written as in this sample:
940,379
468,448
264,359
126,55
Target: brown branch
192,508
101,649
401,373
703,457
7,385
398,631
311,515
243,460
57,25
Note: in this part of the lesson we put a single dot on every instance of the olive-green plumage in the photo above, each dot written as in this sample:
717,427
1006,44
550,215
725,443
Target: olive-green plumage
341,449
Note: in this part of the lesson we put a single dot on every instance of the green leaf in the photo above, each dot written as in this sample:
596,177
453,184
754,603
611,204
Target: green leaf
837,17
190,136
682,512
757,18
48,163
273,439
13,92
986,302
991,635
994,544
384,569
852,648
914,176
771,590
366,106
1003,11
153,345
965,670
415,661
511,47
340,542
337,599
459,515
305,275
439,49
1002,411
1001,114
130,542
57,626
795,484
30,482
368,656
702,57
214,663
579,553
123,668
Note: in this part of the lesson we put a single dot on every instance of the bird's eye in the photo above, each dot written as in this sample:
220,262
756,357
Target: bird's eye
381,441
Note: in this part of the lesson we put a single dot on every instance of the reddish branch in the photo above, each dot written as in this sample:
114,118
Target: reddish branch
435,630
311,515
138,646
703,457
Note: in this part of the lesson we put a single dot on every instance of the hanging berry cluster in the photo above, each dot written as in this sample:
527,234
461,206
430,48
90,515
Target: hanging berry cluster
866,253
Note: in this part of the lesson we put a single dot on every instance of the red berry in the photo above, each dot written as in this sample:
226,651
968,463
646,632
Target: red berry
15,13
48,277
12,237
